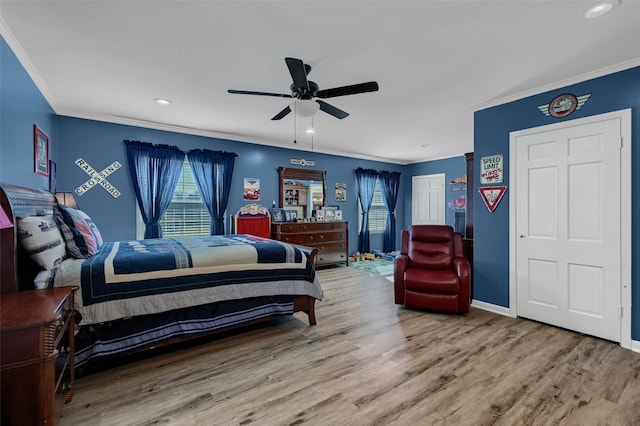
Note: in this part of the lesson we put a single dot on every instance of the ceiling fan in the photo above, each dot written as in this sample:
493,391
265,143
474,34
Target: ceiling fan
306,90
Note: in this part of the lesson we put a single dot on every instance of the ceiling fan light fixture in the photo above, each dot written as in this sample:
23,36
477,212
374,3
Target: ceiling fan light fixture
305,107
600,8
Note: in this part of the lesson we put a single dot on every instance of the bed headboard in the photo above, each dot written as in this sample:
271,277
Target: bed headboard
17,270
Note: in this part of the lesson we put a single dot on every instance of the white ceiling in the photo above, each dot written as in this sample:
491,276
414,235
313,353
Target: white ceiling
435,62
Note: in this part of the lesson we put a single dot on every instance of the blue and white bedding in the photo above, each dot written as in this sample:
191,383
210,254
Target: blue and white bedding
102,342
131,278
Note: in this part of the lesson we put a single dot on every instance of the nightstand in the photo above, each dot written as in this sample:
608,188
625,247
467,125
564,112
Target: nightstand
36,354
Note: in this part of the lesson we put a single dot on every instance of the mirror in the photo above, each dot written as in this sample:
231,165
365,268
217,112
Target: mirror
302,190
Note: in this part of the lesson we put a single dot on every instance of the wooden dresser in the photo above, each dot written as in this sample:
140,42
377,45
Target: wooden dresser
37,354
331,239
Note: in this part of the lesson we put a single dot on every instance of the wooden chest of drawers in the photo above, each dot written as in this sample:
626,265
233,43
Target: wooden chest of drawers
37,350
330,238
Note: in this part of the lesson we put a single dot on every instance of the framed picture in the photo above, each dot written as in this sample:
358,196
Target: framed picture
40,151
251,189
326,208
338,214
294,215
341,192
320,215
53,177
277,215
287,215
330,215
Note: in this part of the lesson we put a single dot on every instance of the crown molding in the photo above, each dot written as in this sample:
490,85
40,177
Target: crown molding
559,84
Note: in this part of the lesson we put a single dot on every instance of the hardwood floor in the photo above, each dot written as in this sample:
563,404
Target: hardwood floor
371,362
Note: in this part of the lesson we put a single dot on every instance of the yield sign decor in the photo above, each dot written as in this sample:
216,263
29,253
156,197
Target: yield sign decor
492,196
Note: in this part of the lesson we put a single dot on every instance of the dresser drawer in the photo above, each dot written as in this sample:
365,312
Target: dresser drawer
288,228
315,227
330,257
331,246
328,236
302,239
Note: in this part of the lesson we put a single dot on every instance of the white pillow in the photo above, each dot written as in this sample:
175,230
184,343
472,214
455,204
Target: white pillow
44,279
41,238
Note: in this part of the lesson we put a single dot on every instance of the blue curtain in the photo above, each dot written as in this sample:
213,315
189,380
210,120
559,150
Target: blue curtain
390,183
155,170
366,183
212,171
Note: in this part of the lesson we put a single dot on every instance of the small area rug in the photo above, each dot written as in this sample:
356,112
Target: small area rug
378,266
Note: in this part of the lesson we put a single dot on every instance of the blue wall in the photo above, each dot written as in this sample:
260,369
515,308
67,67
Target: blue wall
21,106
452,168
613,92
100,144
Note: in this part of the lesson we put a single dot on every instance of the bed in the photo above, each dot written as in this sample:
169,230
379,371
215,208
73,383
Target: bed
141,294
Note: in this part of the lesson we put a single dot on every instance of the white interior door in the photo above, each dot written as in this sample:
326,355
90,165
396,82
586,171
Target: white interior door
568,227
428,200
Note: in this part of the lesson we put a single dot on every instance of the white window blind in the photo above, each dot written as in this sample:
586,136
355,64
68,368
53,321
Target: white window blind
186,215
377,212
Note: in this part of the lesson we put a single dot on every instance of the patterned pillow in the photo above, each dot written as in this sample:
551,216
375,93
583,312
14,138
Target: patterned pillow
80,233
41,238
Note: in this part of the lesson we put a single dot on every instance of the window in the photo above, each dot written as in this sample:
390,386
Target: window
377,212
186,215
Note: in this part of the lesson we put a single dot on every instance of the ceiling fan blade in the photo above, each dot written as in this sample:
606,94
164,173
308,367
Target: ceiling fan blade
331,110
246,92
354,89
298,73
282,113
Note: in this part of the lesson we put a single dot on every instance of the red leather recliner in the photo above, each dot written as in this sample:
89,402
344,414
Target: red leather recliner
431,272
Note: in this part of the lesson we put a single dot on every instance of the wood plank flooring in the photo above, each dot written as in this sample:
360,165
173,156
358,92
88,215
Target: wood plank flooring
371,362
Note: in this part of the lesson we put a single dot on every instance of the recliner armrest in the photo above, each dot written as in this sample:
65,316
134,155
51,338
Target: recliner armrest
400,265
463,269
404,247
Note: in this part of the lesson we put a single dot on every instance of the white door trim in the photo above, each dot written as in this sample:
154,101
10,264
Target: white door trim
625,208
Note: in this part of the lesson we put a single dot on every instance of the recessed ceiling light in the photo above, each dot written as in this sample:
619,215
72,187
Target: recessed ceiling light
162,101
600,8
310,131
425,145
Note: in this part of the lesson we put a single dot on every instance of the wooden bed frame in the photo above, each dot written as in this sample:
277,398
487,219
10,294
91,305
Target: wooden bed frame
18,270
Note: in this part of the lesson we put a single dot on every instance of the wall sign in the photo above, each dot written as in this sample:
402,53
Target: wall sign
98,178
302,162
491,195
491,169
459,183
564,105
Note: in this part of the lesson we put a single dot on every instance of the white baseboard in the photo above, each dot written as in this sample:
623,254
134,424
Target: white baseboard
635,345
496,309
